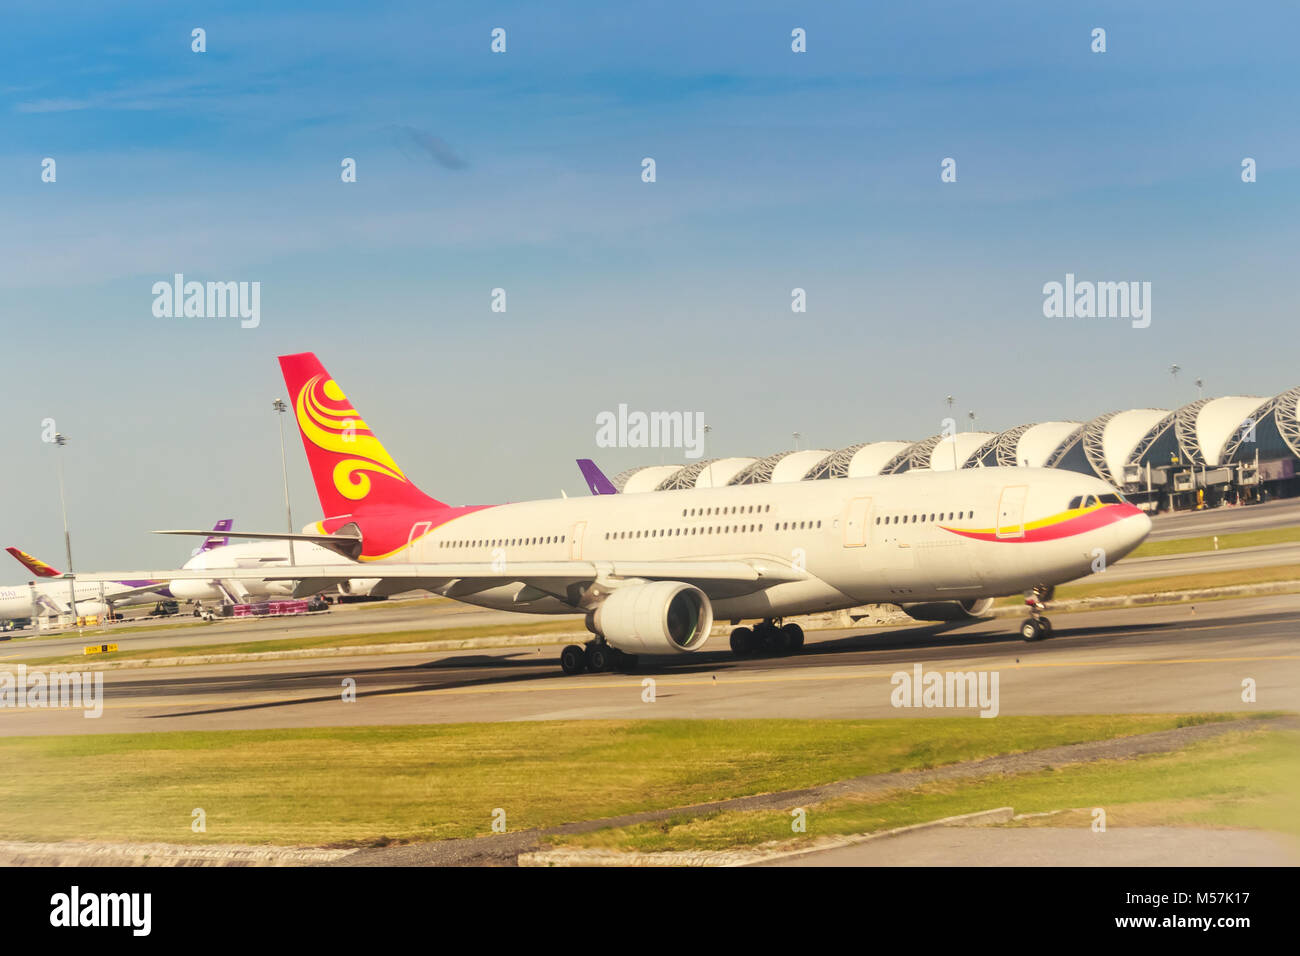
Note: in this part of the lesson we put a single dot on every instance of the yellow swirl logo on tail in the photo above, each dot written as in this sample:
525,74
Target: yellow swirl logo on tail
330,423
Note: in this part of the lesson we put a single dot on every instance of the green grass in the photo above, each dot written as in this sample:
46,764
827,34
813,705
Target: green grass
1241,539
563,626
1245,778
368,784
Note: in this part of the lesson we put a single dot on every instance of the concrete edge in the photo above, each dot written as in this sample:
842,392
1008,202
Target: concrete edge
77,853
727,858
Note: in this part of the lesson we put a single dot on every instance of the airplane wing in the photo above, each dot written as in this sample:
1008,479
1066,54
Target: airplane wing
116,596
565,580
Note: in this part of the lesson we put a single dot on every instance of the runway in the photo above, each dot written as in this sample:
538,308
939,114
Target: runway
1204,562
1178,658
1225,520
181,632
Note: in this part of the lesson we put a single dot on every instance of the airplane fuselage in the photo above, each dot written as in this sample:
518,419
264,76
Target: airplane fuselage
918,536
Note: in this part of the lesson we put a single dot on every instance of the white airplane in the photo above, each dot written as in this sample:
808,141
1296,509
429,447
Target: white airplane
50,594
229,566
651,571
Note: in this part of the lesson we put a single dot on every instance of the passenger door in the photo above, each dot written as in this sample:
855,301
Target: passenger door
857,519
1011,512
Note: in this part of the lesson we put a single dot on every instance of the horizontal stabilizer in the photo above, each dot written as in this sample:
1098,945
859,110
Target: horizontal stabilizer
348,545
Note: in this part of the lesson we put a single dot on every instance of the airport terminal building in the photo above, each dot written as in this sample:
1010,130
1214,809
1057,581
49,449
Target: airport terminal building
1233,449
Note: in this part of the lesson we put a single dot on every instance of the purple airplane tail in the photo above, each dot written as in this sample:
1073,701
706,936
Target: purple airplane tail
596,480
215,540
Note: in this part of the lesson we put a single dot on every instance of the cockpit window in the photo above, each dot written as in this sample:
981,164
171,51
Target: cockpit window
1112,499
1075,502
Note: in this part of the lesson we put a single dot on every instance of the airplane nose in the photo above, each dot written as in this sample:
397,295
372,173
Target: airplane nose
1138,526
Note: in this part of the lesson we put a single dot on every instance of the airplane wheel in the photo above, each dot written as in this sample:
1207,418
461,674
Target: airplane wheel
779,639
598,658
763,637
1046,625
1031,630
627,663
794,636
742,642
573,659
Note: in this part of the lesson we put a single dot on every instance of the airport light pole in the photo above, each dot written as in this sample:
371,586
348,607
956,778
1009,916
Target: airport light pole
707,430
948,400
60,440
280,408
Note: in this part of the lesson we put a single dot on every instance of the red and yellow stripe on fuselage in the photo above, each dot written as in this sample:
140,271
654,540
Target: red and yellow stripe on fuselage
385,534
1064,524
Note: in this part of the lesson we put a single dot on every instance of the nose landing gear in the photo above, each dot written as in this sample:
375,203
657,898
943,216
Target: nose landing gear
1037,627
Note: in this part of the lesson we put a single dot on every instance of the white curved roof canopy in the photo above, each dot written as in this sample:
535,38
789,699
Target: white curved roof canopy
649,478
794,466
1038,442
1123,432
717,473
968,443
1220,419
870,458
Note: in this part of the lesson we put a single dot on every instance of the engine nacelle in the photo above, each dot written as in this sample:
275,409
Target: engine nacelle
91,608
660,617
948,610
189,589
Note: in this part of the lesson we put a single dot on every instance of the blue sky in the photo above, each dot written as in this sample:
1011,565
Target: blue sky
775,170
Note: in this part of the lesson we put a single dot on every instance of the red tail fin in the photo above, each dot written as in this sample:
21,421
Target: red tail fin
352,470
34,565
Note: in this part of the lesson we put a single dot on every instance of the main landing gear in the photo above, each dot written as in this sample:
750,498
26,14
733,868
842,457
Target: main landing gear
1037,627
596,656
768,637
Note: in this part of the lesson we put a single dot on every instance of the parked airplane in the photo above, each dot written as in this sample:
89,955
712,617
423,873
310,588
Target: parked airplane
50,595
228,579
650,571
26,601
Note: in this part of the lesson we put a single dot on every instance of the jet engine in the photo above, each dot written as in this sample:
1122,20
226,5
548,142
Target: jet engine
91,608
948,610
659,617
